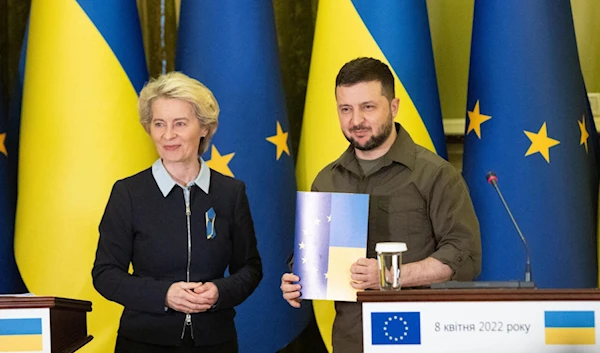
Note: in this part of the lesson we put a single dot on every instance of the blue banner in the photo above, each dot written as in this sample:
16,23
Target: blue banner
10,111
231,47
529,120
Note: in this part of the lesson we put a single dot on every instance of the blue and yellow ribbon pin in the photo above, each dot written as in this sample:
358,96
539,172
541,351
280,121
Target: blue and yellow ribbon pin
210,216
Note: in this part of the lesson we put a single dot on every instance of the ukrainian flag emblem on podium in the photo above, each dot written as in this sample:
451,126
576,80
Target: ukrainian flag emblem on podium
21,335
570,327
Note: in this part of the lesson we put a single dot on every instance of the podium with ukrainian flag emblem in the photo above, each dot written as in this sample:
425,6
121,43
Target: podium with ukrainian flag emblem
43,324
481,320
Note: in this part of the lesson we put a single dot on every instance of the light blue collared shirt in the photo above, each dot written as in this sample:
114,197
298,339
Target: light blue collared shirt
166,183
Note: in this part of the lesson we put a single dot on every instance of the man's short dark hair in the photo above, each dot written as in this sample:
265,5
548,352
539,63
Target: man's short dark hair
365,70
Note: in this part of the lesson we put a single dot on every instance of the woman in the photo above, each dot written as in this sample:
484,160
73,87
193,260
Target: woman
180,225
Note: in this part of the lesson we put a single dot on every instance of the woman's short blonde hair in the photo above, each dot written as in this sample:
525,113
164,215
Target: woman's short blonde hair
176,85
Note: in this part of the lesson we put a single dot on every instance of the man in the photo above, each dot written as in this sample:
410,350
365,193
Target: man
416,197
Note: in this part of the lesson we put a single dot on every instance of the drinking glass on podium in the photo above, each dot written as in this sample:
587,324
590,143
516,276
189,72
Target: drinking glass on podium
389,258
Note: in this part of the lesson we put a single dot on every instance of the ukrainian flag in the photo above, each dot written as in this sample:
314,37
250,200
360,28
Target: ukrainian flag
21,335
570,327
395,32
79,134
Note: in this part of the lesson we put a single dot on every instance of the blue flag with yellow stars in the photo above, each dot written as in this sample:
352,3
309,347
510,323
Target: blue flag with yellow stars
10,124
231,47
10,279
529,121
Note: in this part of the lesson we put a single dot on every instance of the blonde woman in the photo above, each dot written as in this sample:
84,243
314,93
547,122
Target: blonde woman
180,225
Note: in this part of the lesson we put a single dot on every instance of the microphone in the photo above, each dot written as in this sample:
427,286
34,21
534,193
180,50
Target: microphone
493,180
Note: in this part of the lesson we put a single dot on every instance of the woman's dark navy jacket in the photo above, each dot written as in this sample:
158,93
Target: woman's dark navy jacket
143,227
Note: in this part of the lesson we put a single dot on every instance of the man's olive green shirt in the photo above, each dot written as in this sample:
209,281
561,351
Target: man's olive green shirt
417,198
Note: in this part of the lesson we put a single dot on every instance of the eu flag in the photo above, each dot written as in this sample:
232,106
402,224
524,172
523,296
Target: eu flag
529,120
231,47
396,328
331,234
10,280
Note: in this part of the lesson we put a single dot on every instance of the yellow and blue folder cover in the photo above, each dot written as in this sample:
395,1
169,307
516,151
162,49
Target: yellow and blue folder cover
21,335
331,234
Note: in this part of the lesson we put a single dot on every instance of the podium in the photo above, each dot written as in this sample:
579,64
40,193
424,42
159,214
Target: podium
481,320
43,324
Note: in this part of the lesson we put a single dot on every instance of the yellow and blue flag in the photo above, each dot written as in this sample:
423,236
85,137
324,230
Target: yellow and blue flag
21,335
232,48
396,328
79,134
570,327
331,234
529,120
395,32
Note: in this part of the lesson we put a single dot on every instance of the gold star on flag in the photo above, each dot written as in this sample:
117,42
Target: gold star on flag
476,119
2,146
584,133
220,163
541,143
280,140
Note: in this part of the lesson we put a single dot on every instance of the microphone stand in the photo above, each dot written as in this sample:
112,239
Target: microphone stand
493,180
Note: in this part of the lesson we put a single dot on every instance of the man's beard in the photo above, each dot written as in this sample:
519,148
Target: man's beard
375,140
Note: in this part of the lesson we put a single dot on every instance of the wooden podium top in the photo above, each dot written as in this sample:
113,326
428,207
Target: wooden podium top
462,295
34,302
67,324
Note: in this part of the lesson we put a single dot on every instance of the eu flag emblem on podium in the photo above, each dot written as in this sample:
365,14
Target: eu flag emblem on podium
396,328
